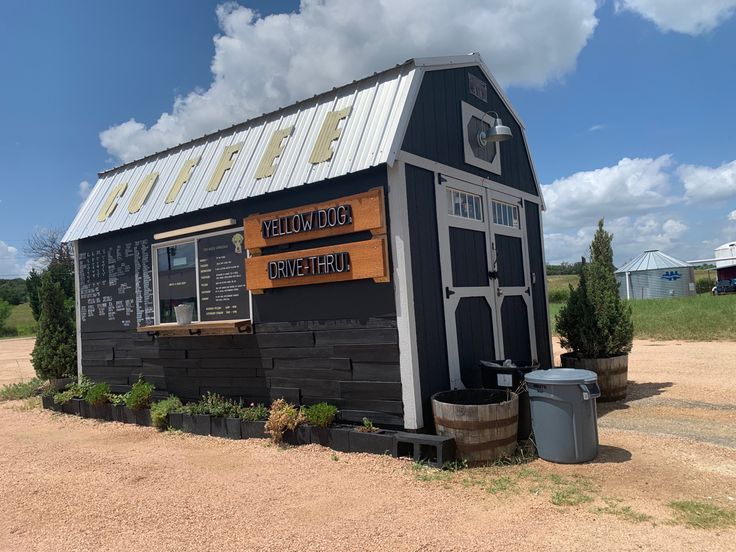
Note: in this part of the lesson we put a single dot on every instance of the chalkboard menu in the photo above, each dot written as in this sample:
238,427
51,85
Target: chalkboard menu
115,287
222,291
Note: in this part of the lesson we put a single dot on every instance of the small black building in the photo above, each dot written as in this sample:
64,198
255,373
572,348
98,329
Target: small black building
364,247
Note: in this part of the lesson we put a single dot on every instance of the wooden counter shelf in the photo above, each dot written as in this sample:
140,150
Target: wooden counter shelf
217,327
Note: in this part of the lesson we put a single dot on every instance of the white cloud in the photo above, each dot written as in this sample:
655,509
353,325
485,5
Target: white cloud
11,265
630,186
732,216
691,17
262,63
706,183
84,189
596,127
631,236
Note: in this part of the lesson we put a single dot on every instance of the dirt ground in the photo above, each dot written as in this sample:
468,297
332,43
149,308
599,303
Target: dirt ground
15,360
75,484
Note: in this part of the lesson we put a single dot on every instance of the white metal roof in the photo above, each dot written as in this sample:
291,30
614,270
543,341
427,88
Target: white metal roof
371,135
652,260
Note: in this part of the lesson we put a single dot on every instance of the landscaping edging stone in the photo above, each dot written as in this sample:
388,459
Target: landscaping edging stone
198,424
434,449
117,413
227,428
252,430
176,420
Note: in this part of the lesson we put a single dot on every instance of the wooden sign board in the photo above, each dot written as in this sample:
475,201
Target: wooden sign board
335,263
355,213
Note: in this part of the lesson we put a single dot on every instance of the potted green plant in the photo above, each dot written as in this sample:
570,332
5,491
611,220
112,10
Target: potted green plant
319,417
369,438
595,324
162,410
196,418
117,407
97,401
224,421
253,421
138,402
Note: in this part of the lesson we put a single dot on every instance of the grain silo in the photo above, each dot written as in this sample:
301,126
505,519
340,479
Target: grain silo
653,275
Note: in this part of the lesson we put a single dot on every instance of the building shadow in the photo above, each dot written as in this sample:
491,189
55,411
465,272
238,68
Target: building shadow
611,455
635,392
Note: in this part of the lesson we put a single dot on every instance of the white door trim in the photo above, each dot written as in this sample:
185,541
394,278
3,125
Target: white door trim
451,302
411,391
434,166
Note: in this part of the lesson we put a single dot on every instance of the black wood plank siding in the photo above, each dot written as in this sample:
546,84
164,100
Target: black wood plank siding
435,127
330,342
312,363
539,298
427,282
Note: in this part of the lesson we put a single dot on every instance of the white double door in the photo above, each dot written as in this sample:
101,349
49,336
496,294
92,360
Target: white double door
486,283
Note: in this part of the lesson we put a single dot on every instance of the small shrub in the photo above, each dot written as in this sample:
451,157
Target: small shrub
160,411
117,399
559,295
63,397
139,396
367,426
216,405
97,394
282,417
320,414
253,413
704,285
21,390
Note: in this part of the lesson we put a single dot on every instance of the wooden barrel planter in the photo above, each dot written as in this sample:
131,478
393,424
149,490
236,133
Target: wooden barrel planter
612,373
483,422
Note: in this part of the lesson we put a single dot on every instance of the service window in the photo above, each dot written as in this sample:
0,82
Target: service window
177,279
206,271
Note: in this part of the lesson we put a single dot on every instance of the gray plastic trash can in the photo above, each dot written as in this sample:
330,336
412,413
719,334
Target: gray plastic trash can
564,417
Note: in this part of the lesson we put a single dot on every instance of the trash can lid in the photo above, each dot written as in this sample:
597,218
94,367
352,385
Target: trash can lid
561,376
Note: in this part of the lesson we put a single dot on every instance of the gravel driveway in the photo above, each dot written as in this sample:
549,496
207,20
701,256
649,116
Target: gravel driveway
75,484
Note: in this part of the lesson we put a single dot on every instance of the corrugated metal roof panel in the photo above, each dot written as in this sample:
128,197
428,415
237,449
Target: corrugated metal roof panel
371,135
651,260
376,106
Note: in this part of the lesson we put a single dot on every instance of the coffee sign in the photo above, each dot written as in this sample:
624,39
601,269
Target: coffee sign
356,213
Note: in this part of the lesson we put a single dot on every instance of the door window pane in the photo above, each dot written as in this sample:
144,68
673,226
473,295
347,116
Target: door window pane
177,280
464,204
505,214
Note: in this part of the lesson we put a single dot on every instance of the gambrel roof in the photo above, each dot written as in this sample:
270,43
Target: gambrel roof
377,110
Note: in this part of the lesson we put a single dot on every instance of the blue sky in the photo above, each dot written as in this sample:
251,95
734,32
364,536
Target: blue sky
629,105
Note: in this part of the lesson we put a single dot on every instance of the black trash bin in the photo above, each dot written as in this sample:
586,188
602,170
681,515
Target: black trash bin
496,376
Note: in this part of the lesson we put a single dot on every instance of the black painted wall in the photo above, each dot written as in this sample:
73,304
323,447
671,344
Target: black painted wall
435,128
329,342
427,281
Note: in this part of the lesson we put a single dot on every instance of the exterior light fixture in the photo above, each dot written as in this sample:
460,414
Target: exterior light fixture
497,133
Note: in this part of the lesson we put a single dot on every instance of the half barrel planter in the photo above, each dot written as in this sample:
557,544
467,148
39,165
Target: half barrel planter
483,422
612,373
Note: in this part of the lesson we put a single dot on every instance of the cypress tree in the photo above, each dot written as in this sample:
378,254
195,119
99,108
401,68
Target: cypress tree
595,322
55,352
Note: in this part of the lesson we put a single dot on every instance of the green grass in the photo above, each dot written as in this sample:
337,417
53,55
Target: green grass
561,282
20,323
22,390
698,318
614,507
702,515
